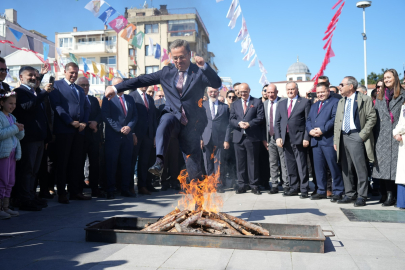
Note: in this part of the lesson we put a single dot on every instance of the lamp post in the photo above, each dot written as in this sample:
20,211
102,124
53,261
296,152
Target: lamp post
364,5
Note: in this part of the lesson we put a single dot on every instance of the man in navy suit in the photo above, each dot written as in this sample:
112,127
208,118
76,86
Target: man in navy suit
120,117
246,119
215,135
144,136
290,134
183,116
72,111
320,124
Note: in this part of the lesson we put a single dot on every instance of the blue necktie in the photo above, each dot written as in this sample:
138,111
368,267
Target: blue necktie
347,116
74,90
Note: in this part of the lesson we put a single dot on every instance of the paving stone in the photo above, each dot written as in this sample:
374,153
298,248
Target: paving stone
253,259
320,261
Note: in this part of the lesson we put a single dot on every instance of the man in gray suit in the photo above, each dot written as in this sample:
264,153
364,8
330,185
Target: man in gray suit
353,137
276,154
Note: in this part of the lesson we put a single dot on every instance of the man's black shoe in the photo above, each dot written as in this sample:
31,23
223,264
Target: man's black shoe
41,202
318,196
165,185
291,192
336,198
220,190
360,202
45,195
240,191
304,195
314,192
152,189
261,188
256,191
127,194
274,190
345,200
247,187
29,206
110,196
285,190
157,169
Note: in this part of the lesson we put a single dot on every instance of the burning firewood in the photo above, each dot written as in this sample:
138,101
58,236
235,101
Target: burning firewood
247,224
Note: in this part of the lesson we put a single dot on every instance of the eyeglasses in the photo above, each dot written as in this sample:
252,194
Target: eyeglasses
378,86
4,70
160,95
84,85
180,58
232,97
341,85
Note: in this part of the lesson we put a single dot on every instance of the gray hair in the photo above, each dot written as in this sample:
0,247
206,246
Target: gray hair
116,78
296,85
362,89
179,43
81,78
352,80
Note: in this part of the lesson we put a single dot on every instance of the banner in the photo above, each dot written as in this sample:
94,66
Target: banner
119,72
102,70
95,69
94,6
107,14
137,41
253,63
157,51
261,67
232,23
45,50
118,23
165,56
128,32
232,8
150,52
73,58
85,66
17,34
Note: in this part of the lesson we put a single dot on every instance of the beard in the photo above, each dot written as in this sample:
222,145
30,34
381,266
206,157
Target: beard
31,84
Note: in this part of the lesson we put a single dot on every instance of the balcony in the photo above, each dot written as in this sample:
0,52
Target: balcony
91,47
188,35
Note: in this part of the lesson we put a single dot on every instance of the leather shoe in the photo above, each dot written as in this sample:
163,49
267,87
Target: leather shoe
383,198
127,193
273,190
240,191
256,191
110,196
336,198
152,189
314,192
390,201
144,191
165,185
360,202
79,197
291,192
318,196
157,169
29,206
304,195
220,190
63,199
41,202
247,187
345,200
285,190
98,193
329,193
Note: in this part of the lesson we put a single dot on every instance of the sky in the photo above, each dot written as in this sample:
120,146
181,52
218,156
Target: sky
280,31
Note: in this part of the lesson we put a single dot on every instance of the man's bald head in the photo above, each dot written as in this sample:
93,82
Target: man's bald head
116,80
244,91
272,92
83,82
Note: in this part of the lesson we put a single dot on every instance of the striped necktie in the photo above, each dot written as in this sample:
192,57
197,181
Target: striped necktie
347,116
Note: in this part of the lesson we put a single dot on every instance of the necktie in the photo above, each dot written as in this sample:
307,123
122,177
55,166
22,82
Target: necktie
289,111
212,110
146,103
320,107
271,119
88,100
72,86
244,106
123,106
179,87
347,116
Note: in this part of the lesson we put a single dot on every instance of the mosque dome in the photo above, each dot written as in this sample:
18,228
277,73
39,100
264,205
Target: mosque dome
298,67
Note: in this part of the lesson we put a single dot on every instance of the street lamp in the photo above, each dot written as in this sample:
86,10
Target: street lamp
364,5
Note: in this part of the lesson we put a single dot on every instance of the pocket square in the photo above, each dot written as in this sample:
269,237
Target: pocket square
251,106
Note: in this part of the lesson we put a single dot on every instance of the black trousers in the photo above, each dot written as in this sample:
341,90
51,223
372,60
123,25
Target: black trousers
230,161
140,155
69,164
46,173
213,159
171,164
247,162
92,150
264,165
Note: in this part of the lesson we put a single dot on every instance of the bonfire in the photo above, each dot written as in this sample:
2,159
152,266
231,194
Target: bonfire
198,212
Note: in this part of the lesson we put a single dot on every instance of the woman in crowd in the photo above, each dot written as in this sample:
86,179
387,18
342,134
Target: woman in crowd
378,86
388,108
11,133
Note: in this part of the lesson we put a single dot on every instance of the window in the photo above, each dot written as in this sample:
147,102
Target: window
110,60
290,79
299,78
182,27
151,28
147,50
151,69
109,40
81,40
14,72
65,42
133,72
92,39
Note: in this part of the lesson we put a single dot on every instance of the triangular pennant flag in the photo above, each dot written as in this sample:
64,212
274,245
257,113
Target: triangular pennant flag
106,15
245,58
232,8
73,58
128,32
111,74
261,67
150,52
253,62
102,70
85,66
338,2
232,23
56,66
328,42
94,6
165,56
251,51
245,44
17,34
119,72
158,52
330,33
95,69
138,40
101,78
118,23
45,50
243,32
263,79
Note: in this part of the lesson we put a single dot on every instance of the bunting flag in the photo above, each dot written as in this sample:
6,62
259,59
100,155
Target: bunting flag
73,58
245,58
119,72
253,63
138,40
111,74
128,32
94,75
245,44
84,73
338,2
85,66
261,67
107,14
165,56
101,78
59,51
263,79
94,6
243,32
118,23
251,51
56,66
131,75
95,69
17,34
329,34
158,52
328,42
45,50
102,70
232,8
150,52
235,16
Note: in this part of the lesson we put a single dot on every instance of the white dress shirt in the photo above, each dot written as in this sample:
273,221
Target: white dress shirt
352,125
69,83
215,106
293,104
146,98
274,111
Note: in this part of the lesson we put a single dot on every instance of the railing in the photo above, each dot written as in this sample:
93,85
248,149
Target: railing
182,33
188,11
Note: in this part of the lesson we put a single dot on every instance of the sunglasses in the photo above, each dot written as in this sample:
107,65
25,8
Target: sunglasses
232,97
84,85
378,87
341,85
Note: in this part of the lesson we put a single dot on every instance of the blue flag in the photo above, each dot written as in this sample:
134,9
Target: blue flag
119,72
85,66
157,51
107,14
46,50
17,34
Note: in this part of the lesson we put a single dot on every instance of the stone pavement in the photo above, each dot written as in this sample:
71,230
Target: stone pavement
54,238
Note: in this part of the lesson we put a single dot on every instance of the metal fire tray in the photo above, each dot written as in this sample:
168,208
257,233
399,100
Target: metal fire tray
284,237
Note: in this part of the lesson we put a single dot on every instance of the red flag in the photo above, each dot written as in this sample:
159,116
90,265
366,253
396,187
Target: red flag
156,88
94,75
330,33
84,73
327,42
338,2
108,79
101,79
56,66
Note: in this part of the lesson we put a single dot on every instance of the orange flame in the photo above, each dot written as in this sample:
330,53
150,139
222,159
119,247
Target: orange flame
200,103
213,151
200,195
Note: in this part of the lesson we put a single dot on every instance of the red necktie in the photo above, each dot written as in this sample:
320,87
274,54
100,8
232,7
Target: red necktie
289,111
320,107
123,106
146,103
244,106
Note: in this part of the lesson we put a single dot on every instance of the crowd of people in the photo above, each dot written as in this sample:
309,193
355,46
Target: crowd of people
59,135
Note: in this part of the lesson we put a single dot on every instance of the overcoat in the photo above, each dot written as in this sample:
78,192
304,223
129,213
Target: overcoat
400,130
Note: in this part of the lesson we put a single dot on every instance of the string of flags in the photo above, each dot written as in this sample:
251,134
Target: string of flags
234,12
328,37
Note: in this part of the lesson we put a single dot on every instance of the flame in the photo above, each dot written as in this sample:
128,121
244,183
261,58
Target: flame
200,103
200,195
213,151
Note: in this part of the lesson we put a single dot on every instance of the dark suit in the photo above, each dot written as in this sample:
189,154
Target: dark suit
30,112
247,141
145,131
192,92
294,151
5,86
322,147
69,106
214,135
118,147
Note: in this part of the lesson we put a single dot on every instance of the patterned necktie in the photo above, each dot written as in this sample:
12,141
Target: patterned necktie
72,86
320,107
146,103
123,106
212,110
179,87
290,108
244,106
271,119
347,116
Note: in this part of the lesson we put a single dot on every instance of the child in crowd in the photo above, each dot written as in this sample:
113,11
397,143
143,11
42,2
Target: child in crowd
11,133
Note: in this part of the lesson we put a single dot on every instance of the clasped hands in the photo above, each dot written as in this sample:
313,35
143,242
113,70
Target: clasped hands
280,143
20,126
316,132
243,125
78,125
